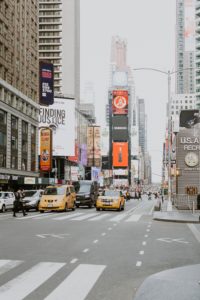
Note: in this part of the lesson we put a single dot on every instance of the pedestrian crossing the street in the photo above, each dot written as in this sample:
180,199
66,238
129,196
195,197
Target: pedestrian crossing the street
25,283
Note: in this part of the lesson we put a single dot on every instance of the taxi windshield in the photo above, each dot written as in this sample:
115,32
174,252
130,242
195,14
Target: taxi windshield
111,193
54,191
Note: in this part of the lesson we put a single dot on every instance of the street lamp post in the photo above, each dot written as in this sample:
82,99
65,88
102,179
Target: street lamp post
168,74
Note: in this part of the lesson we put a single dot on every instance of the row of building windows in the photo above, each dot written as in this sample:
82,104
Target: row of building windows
14,143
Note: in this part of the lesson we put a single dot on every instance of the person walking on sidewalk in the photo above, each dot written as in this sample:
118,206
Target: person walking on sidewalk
18,203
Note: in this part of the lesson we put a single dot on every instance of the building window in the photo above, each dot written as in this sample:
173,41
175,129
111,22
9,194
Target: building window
14,162
24,145
33,148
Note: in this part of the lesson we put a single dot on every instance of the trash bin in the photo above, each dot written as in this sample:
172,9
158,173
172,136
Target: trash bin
198,201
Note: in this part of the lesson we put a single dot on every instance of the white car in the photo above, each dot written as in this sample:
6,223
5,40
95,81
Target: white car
6,200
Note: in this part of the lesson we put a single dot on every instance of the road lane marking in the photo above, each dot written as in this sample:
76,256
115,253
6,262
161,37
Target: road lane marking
144,243
149,226
146,236
103,234
151,211
30,280
95,241
46,216
170,240
28,217
133,218
99,217
86,250
73,261
114,224
109,228
141,252
147,230
78,284
195,231
6,265
67,217
87,216
138,264
119,217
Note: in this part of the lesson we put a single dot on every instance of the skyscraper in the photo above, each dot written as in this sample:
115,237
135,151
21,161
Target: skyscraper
185,46
142,124
198,53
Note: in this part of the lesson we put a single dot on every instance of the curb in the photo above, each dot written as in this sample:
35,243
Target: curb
177,221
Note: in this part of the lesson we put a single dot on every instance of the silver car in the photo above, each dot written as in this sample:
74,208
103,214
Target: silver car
32,198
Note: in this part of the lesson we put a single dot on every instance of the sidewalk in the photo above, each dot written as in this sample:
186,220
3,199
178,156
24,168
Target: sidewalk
181,216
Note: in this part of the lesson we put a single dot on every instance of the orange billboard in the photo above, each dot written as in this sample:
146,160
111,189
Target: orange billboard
120,154
45,149
120,102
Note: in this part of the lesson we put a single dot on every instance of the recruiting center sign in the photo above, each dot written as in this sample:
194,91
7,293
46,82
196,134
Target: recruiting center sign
60,118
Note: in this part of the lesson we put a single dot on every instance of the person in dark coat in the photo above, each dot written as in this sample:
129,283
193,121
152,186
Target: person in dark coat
18,204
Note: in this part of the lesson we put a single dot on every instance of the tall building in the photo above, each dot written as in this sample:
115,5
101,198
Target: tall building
18,91
142,125
198,53
185,46
182,102
59,31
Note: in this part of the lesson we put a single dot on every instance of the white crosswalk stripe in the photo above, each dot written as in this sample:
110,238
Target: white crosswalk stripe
119,217
26,283
67,217
86,216
134,218
85,276
6,265
100,217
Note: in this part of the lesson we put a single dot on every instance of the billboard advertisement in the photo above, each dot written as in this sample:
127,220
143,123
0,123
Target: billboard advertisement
74,173
45,149
46,84
120,102
120,128
189,32
94,146
120,154
189,118
60,117
95,174
75,158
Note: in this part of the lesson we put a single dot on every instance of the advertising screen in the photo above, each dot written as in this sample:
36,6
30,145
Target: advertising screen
120,102
120,154
46,84
60,117
45,149
120,128
189,118
93,146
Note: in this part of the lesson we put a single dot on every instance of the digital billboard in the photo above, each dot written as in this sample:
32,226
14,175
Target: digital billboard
45,149
120,128
120,154
60,117
189,118
94,146
46,83
120,102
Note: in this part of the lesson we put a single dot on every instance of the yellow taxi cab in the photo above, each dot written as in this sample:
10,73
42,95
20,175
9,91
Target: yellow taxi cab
58,198
111,199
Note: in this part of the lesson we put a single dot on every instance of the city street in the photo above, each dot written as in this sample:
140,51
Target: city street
87,254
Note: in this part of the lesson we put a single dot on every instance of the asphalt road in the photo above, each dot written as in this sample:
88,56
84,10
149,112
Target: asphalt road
87,254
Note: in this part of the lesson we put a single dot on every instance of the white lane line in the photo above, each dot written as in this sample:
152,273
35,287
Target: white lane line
95,241
147,230
67,217
87,216
85,250
30,280
46,216
141,252
109,228
6,265
134,218
99,217
29,217
146,236
195,231
7,215
138,264
73,261
114,224
78,284
103,234
144,243
151,211
149,226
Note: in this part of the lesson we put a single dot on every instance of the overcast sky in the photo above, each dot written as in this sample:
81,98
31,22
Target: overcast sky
149,28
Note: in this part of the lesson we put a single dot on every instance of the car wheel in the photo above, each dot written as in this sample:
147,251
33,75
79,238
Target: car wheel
66,207
123,207
41,211
120,207
77,205
3,209
74,207
97,208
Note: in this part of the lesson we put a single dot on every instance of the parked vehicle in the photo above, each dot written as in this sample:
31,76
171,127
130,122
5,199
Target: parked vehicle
112,199
87,194
6,200
32,198
58,198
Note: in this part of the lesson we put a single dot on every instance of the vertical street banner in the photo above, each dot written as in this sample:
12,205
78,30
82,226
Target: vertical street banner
45,149
90,146
46,83
120,154
120,102
97,146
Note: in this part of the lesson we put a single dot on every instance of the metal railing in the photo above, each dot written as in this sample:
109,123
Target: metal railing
185,202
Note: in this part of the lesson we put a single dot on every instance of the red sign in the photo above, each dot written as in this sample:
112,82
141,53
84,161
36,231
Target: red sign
120,102
120,154
76,156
